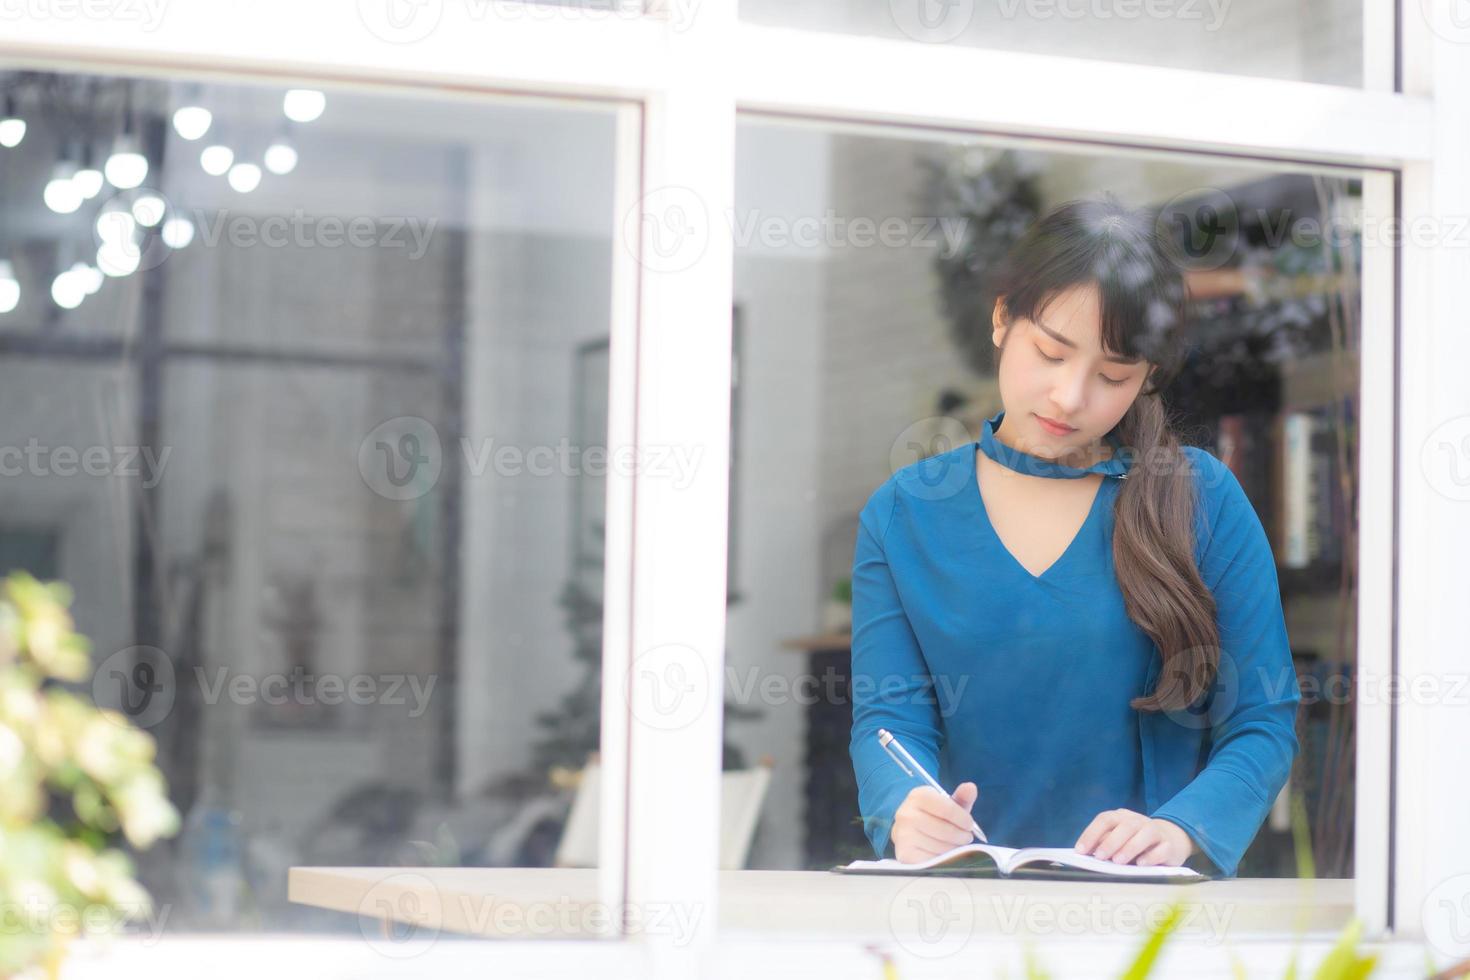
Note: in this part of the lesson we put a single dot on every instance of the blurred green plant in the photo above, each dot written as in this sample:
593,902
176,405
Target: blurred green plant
72,777
1343,962
842,590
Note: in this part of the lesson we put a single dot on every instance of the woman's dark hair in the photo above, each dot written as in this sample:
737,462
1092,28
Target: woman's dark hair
1143,297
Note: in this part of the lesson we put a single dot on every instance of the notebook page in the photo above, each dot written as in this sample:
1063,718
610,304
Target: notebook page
1087,862
1001,854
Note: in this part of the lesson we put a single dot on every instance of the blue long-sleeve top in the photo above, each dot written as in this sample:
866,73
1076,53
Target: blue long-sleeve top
1021,683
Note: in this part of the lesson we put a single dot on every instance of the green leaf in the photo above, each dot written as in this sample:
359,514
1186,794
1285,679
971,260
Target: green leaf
1143,963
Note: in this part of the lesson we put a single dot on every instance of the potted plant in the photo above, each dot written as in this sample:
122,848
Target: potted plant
837,610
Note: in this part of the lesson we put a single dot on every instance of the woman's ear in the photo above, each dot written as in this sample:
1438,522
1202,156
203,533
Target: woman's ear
998,321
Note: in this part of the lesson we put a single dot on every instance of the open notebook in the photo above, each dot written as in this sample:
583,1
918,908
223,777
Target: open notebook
990,860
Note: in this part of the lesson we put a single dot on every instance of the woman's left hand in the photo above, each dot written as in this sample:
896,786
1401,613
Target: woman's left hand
1126,837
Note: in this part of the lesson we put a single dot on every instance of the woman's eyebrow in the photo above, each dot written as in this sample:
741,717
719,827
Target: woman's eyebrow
1115,358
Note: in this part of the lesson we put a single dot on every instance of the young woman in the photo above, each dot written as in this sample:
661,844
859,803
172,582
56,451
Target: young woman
1073,622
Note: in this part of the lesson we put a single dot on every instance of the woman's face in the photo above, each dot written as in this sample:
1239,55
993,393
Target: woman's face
1056,370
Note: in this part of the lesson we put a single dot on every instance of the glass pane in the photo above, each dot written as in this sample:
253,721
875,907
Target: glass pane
304,461
867,290
1313,41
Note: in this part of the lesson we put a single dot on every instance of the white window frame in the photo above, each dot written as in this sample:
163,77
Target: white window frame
682,75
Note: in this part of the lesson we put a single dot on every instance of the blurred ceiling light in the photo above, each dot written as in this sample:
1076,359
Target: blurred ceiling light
244,177
12,127
127,167
118,259
148,209
68,289
9,287
88,182
280,157
192,121
90,276
115,225
178,232
216,159
303,104
61,194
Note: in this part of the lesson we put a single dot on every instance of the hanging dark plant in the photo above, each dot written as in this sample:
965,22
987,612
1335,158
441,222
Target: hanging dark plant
992,197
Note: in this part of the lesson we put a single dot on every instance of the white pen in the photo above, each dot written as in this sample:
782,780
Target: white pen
910,766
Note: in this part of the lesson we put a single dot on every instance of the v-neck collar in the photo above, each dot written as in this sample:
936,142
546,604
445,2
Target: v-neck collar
994,535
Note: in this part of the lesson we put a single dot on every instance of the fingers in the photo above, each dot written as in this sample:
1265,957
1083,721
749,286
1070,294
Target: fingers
1114,839
941,830
965,795
1153,855
1109,832
1144,837
1092,835
937,805
918,838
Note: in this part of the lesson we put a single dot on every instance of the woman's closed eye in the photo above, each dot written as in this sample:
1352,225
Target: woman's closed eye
1058,360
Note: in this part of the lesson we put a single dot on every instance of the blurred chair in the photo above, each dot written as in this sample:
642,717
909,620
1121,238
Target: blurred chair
742,792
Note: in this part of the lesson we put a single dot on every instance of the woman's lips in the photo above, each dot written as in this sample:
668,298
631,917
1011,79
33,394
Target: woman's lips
1055,428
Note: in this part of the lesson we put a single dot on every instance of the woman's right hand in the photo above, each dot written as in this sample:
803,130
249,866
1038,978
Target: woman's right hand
929,823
